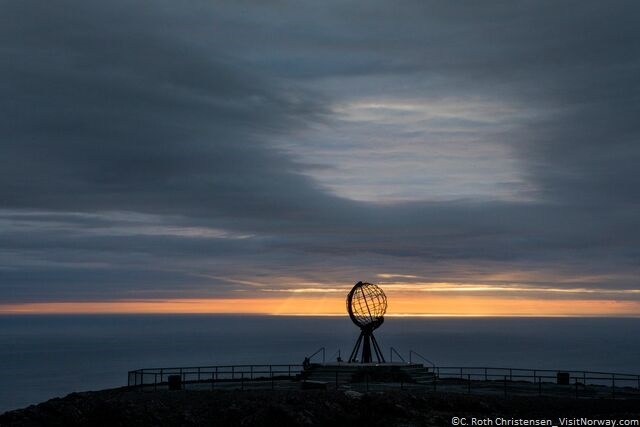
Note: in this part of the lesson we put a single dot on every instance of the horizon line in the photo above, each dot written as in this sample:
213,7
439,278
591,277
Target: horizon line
306,306
250,314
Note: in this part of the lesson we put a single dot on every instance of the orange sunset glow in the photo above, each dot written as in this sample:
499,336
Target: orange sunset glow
334,305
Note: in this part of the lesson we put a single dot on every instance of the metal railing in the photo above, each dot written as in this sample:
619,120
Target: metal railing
320,350
336,356
520,374
544,381
454,379
412,353
209,376
392,350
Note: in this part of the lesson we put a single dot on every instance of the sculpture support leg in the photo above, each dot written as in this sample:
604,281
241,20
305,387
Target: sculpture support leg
366,348
354,353
377,349
367,340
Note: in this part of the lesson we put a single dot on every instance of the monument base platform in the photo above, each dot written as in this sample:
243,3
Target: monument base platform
344,373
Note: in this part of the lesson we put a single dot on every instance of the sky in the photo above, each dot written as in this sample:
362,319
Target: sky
471,158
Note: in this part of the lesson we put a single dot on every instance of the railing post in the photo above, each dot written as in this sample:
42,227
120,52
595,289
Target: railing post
468,383
241,380
539,386
613,386
251,372
213,381
233,372
485,374
505,385
510,374
198,373
155,380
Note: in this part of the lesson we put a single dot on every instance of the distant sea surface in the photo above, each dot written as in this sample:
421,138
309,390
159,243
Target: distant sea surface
48,356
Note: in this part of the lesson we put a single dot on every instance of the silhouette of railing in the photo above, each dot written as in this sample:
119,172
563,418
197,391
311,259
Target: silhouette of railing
321,349
412,353
392,350
545,381
336,355
454,379
199,376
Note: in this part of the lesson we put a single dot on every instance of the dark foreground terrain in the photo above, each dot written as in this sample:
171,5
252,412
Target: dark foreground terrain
122,407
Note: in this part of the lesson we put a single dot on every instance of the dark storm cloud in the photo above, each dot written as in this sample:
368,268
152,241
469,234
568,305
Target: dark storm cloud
171,112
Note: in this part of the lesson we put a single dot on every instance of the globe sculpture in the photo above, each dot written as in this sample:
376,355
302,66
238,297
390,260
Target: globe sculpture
366,305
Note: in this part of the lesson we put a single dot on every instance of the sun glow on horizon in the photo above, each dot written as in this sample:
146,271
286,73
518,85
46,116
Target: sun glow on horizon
332,304
408,295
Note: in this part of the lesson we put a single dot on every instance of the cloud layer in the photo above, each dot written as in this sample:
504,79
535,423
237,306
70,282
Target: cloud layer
160,150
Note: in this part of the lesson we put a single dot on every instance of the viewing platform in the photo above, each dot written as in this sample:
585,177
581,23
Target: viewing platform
374,377
338,373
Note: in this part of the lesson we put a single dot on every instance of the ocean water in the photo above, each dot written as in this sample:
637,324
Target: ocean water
47,356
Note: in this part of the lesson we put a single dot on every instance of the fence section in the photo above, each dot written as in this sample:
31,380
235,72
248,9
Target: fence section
210,376
540,381
455,379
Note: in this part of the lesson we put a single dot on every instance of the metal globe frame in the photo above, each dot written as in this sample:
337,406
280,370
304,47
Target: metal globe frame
366,305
